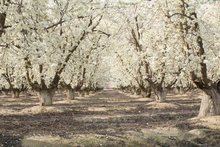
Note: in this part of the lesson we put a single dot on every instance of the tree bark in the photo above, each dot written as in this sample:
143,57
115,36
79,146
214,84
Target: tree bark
138,91
86,92
144,93
210,104
133,91
81,93
161,96
46,97
70,94
176,90
181,90
2,23
5,91
92,92
16,93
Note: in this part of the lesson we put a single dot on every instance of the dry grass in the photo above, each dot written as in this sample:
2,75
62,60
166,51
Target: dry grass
108,119
156,105
212,122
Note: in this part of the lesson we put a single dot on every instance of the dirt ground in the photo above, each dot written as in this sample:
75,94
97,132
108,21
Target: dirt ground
109,118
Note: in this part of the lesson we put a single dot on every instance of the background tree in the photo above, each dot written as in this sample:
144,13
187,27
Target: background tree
44,40
200,49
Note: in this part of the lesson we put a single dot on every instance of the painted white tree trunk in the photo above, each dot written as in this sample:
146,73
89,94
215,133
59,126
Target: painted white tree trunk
161,96
143,93
87,92
210,104
16,94
133,91
5,92
138,92
46,97
146,93
70,94
181,90
82,93
176,90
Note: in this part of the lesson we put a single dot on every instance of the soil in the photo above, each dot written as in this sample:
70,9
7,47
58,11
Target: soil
108,118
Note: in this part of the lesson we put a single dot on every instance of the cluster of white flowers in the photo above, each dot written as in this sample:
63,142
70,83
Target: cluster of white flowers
161,41
47,36
81,38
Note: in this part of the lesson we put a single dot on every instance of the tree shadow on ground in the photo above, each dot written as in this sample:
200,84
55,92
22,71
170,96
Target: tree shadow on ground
115,120
7,140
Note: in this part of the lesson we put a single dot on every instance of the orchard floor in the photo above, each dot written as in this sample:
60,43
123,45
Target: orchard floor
109,118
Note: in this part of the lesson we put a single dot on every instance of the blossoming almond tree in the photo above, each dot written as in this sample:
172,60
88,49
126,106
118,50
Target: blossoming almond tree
201,48
149,48
12,75
45,36
79,73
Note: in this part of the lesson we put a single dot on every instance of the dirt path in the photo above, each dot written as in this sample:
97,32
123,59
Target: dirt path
109,113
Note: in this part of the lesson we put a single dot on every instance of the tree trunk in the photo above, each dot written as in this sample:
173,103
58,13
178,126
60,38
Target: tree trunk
87,92
146,92
70,94
161,96
210,104
138,92
46,97
91,92
6,92
176,90
133,91
143,93
2,23
181,90
149,90
16,93
81,93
